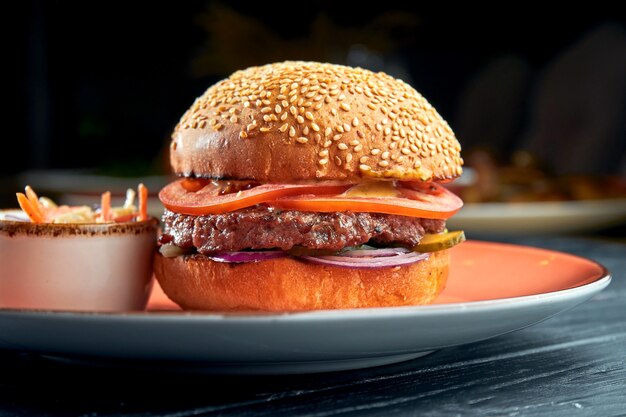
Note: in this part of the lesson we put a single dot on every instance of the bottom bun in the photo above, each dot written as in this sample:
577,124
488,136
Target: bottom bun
286,284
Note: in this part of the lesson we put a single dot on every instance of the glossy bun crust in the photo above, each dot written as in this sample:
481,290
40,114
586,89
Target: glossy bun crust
295,121
197,283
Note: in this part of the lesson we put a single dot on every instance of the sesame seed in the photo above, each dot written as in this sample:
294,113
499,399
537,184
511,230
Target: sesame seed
342,146
328,131
348,158
292,132
278,109
385,155
305,131
323,152
315,127
355,122
284,127
266,110
323,161
363,159
243,134
346,127
383,163
379,127
264,129
308,115
328,143
375,151
293,110
341,97
336,137
364,167
358,148
333,112
406,151
283,116
371,106
302,139
387,131
285,103
300,119
432,146
345,106
339,128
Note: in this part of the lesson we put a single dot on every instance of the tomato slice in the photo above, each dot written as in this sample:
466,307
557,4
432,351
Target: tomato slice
214,197
430,201
413,199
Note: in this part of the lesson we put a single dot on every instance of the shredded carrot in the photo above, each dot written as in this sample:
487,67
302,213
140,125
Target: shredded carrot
143,203
33,214
34,200
105,206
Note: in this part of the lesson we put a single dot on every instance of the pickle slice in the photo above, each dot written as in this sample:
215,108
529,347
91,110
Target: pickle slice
433,243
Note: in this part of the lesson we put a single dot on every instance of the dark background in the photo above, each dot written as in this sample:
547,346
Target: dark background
102,84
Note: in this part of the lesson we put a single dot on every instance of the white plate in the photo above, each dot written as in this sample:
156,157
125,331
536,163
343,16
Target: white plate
540,217
470,309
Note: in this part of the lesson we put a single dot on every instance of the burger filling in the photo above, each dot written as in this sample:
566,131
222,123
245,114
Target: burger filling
265,227
214,217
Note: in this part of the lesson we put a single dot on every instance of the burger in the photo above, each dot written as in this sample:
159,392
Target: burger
307,186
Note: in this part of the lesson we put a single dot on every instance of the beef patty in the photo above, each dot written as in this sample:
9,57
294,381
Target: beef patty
263,227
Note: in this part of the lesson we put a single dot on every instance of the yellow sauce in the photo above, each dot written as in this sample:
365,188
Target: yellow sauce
373,189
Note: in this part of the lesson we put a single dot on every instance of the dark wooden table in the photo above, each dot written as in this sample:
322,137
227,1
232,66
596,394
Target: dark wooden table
573,364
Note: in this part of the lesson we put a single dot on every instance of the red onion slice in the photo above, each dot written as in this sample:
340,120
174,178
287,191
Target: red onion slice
360,263
376,253
356,259
242,256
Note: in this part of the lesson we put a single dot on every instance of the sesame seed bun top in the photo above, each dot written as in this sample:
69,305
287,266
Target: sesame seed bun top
295,121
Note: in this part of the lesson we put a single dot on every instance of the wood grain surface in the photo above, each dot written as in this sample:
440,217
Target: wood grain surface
573,364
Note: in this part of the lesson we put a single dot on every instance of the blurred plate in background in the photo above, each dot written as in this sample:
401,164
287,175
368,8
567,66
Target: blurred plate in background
539,217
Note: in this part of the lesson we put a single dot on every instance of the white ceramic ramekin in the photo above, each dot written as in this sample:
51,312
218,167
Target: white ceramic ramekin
75,267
